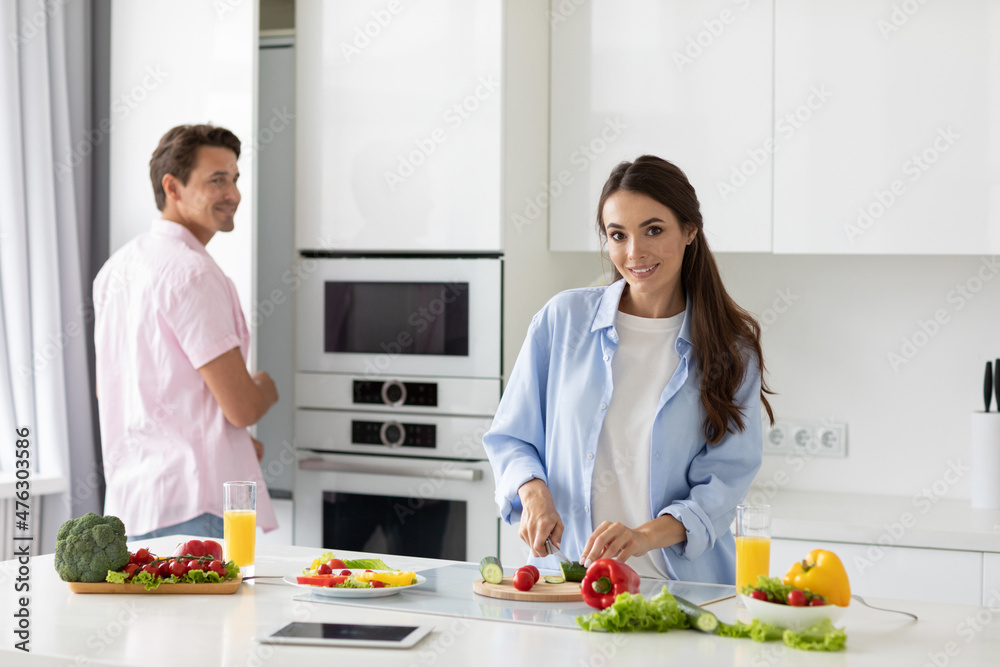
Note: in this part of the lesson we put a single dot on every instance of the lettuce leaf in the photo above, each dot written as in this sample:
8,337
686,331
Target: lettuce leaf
367,564
757,631
822,636
633,613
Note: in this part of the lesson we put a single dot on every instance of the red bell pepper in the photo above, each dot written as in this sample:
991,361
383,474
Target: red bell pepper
606,578
327,580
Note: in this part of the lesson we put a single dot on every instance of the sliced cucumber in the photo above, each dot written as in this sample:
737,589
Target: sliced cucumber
491,569
573,571
698,617
554,579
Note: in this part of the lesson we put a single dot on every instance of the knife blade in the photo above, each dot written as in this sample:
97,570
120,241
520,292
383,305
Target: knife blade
988,386
553,551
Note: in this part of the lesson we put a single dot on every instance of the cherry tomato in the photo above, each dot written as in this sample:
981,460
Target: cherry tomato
759,595
336,564
142,556
536,575
195,565
163,568
217,567
817,601
523,580
131,569
345,573
324,569
796,598
152,569
178,568
377,584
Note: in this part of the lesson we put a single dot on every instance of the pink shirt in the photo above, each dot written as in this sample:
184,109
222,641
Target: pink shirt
164,309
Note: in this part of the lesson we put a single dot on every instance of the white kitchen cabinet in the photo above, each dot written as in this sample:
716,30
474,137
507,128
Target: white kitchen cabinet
687,81
399,125
991,580
893,116
903,573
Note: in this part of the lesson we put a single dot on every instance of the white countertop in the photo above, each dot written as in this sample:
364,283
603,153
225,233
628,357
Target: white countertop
934,522
74,629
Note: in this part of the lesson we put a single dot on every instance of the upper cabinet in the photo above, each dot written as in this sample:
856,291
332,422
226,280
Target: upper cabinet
688,81
399,125
895,108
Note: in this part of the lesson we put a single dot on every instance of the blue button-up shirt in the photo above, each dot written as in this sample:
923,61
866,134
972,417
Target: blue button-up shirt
551,413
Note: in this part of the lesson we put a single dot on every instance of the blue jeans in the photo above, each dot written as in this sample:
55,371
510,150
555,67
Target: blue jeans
206,525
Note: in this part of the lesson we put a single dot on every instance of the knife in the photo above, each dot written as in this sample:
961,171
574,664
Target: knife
988,386
996,381
553,551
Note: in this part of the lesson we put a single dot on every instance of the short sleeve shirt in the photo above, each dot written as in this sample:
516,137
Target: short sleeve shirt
163,309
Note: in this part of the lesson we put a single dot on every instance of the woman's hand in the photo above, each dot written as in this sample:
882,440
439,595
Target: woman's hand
618,541
539,518
614,540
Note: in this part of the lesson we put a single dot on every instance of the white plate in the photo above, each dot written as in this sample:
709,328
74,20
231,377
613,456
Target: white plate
792,618
334,592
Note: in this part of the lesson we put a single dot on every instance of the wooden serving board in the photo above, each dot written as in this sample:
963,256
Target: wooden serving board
540,592
221,588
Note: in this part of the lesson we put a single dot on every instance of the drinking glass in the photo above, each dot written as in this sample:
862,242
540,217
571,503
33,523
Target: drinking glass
239,521
753,544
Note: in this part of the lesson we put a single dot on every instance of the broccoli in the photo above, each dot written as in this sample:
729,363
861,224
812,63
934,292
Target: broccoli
88,546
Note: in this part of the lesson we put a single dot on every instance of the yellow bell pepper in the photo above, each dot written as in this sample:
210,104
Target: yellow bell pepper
823,574
390,578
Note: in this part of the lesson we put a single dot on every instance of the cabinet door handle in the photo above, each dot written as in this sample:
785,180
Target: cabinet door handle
395,470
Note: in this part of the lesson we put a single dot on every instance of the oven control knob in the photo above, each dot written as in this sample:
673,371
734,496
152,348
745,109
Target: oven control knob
392,434
393,393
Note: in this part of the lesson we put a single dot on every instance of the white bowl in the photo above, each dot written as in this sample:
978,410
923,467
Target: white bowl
791,618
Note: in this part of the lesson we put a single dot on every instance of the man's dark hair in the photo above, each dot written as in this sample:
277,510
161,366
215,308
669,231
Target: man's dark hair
178,149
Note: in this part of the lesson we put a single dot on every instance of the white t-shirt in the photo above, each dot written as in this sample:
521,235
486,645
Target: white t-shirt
643,364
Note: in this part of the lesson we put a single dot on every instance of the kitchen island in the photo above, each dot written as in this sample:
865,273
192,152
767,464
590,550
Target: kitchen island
150,630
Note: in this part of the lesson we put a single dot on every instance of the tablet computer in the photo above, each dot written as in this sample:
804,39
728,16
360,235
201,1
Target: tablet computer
348,634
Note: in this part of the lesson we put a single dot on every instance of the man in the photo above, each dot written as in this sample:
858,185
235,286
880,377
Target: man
174,394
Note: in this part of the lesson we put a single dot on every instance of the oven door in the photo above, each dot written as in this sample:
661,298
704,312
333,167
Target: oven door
396,505
400,317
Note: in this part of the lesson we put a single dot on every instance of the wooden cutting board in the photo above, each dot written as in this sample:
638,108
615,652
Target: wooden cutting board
540,592
221,588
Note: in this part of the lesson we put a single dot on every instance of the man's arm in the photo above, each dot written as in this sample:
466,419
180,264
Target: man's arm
244,399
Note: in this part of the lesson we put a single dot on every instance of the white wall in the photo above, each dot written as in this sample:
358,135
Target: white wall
186,61
827,354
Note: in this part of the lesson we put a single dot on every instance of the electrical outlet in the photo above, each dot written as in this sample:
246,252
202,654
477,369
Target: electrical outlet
807,437
832,439
803,440
776,439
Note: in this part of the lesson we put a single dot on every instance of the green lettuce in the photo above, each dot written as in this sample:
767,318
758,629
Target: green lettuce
149,582
634,613
822,636
367,564
757,631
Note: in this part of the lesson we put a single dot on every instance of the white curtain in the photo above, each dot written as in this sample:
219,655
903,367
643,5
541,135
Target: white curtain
45,181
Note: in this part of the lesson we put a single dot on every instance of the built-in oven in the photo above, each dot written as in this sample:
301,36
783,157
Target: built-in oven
398,379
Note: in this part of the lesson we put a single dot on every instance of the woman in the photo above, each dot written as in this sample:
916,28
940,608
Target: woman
629,427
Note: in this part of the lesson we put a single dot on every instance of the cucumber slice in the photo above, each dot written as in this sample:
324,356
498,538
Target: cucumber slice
573,571
698,617
554,579
491,569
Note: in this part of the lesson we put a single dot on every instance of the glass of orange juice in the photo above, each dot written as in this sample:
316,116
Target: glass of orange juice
239,523
753,544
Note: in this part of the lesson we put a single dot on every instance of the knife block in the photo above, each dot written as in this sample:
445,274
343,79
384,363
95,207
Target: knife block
986,460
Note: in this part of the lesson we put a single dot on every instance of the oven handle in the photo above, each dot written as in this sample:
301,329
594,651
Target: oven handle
324,465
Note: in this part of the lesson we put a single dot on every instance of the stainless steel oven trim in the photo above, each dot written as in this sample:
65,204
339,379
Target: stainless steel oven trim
383,467
484,278
430,479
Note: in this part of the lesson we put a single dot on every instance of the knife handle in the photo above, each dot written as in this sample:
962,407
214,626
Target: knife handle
988,386
996,382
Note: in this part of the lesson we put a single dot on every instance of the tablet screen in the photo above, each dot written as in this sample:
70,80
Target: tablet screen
345,631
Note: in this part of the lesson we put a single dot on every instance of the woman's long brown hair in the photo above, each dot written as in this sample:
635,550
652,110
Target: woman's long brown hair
722,331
